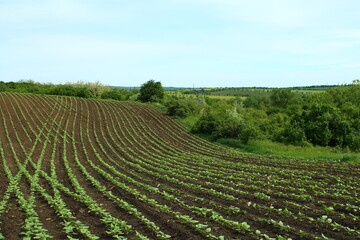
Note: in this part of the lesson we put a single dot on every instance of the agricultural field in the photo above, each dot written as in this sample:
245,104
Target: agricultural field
183,95
229,93
73,168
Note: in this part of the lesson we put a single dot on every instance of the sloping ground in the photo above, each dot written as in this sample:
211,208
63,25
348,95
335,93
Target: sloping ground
86,169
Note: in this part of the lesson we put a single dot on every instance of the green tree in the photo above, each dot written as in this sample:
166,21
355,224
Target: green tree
184,107
96,88
151,91
257,101
223,121
69,90
114,94
180,107
2,87
293,133
281,97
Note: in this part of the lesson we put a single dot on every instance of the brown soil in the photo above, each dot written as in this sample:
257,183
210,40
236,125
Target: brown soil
149,148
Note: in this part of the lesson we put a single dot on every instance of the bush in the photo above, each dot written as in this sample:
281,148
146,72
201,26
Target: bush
281,97
2,87
113,94
257,101
182,107
292,134
151,91
95,88
224,123
68,90
353,141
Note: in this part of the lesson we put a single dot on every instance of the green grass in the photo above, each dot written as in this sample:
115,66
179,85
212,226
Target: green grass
279,149
159,106
189,122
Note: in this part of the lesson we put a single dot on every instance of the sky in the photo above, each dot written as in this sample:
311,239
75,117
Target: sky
181,43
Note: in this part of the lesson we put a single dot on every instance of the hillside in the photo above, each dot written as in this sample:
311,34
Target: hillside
90,169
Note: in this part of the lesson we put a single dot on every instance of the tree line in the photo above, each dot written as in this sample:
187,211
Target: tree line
329,118
78,89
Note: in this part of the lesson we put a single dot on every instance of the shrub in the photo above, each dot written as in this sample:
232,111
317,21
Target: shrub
112,94
182,107
224,123
68,90
151,91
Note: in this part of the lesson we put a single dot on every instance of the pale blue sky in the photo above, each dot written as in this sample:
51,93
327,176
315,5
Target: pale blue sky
213,43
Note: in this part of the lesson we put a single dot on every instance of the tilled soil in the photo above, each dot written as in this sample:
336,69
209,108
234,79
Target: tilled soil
129,162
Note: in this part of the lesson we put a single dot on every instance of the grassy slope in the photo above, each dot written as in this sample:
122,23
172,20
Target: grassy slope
279,149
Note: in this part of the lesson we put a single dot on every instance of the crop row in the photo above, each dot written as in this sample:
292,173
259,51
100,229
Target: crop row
92,169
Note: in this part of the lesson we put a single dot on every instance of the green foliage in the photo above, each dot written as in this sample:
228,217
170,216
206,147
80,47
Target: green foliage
184,107
325,126
68,90
257,101
274,124
151,91
96,88
189,121
327,118
78,89
267,147
281,97
223,122
180,108
24,86
116,94
2,87
292,134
